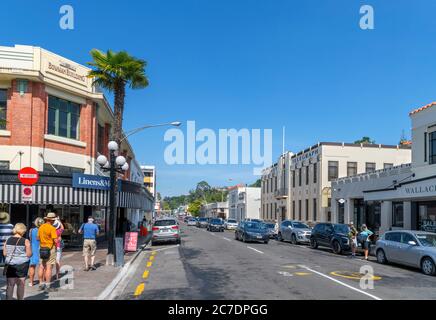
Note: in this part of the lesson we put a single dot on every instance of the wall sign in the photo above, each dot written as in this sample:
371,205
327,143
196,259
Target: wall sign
87,181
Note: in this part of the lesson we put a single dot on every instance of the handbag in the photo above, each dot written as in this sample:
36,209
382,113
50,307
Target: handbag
5,269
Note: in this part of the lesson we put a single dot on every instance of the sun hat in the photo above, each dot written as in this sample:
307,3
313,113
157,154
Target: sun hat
4,217
50,216
38,222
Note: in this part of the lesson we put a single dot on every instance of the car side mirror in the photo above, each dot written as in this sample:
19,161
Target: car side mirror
412,243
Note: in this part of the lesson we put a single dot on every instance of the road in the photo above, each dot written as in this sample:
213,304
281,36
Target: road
215,266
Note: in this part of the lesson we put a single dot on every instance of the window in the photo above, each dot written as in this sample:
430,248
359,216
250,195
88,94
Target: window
393,236
432,145
275,183
351,169
275,210
293,179
307,175
315,172
299,209
369,167
425,146
397,214
307,209
299,176
333,170
63,118
100,139
387,165
61,169
4,165
3,108
314,210
293,209
406,237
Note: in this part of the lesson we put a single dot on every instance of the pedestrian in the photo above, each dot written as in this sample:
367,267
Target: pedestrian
47,237
352,235
365,235
5,233
59,245
90,232
34,242
17,251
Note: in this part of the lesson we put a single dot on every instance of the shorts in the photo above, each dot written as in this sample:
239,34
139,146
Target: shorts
354,243
89,247
366,245
58,255
17,270
51,260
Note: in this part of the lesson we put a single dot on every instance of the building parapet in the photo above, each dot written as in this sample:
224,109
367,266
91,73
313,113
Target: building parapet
404,168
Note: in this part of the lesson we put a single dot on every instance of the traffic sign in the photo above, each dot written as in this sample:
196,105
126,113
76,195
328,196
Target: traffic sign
27,193
28,176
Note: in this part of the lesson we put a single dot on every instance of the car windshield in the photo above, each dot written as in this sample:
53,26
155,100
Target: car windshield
202,219
162,223
427,240
255,225
341,228
300,225
269,225
216,221
231,221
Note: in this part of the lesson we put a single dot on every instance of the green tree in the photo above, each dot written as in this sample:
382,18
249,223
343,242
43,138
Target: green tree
194,207
113,71
257,184
365,140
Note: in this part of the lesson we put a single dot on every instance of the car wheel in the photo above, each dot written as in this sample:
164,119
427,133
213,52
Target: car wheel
313,243
279,237
381,257
294,239
243,238
336,247
266,241
428,267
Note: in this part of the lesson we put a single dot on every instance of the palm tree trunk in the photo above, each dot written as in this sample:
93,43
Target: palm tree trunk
119,93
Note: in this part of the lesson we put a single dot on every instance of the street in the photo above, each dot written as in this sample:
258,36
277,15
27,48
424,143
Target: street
215,266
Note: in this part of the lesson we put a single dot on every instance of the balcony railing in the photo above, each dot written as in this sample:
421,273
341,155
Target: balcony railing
281,193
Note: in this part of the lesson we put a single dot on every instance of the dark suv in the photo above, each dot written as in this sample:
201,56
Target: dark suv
334,236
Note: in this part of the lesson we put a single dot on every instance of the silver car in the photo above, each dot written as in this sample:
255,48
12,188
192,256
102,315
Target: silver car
294,231
408,247
166,230
230,224
192,222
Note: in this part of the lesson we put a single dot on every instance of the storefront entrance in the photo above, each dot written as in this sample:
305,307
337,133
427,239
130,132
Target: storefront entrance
426,217
368,213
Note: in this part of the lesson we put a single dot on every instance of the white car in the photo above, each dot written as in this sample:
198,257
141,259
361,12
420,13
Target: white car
192,222
230,224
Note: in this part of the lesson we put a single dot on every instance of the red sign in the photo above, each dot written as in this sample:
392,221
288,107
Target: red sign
131,241
28,176
27,193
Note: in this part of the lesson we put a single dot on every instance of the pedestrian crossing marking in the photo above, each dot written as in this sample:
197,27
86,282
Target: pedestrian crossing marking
149,263
145,274
139,289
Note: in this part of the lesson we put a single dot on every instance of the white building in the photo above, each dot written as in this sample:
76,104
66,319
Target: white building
215,210
244,202
399,198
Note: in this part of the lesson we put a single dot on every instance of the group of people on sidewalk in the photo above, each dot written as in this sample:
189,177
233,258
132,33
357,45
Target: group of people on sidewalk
40,253
364,237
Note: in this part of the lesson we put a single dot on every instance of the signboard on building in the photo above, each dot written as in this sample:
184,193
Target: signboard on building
28,176
87,181
27,194
131,241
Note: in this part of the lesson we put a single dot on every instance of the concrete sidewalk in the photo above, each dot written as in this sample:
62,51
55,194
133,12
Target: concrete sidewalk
77,284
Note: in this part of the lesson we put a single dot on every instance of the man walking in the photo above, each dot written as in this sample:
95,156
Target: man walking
5,233
47,237
90,232
353,239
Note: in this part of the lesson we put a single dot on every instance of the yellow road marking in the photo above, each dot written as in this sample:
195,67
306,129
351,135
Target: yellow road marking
352,275
139,289
149,263
145,274
151,258
290,267
302,273
153,253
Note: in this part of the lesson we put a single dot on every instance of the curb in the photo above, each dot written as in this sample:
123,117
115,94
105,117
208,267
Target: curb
110,288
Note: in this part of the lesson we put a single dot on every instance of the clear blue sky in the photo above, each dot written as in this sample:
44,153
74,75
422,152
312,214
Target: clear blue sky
305,65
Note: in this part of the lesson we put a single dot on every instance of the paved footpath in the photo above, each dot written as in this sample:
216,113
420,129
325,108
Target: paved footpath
85,285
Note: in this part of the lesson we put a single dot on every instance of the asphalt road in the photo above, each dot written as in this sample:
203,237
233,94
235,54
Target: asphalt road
215,266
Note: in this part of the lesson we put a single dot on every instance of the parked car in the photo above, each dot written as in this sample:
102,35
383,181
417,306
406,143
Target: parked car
251,231
216,224
334,236
165,230
294,231
230,224
202,222
271,228
192,222
411,248
253,220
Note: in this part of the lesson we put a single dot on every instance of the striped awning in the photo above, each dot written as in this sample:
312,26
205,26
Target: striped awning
134,201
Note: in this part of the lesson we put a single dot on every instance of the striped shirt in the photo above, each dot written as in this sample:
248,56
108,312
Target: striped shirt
16,251
5,233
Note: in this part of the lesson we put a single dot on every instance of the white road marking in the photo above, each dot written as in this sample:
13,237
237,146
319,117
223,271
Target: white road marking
341,283
255,249
68,256
226,239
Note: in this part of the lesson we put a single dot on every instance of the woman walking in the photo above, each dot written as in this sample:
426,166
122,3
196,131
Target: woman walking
59,245
365,234
17,251
34,259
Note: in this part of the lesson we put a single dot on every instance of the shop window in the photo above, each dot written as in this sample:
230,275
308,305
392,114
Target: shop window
333,170
3,108
63,118
427,216
4,165
397,214
369,167
341,212
432,145
351,169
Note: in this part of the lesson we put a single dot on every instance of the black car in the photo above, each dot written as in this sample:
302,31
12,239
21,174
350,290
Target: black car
332,235
216,225
251,231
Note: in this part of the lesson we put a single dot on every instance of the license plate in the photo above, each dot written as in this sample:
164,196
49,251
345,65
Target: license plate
166,230
259,237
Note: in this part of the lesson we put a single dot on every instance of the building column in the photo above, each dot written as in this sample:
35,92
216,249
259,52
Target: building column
386,216
407,212
348,210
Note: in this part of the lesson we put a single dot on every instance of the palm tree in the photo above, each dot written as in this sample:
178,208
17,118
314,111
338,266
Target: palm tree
113,71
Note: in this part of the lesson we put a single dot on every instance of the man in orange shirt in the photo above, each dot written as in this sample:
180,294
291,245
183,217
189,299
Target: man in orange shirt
47,237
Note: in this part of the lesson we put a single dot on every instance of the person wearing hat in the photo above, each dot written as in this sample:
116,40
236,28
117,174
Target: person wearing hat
352,235
59,244
34,259
47,237
5,232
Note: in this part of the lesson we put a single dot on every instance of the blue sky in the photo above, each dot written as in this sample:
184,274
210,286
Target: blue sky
237,64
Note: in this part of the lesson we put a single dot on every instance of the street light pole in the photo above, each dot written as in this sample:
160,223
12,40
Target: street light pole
112,208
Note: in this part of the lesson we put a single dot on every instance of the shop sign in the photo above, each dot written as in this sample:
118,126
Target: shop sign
428,225
131,242
308,155
87,181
